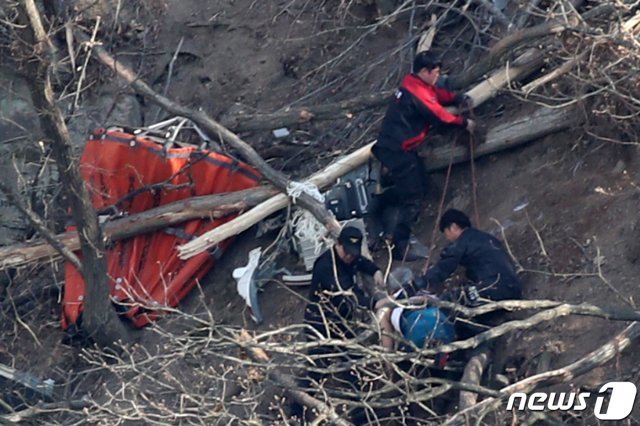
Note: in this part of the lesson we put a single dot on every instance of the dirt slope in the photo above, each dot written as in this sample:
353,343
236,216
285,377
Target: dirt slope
576,239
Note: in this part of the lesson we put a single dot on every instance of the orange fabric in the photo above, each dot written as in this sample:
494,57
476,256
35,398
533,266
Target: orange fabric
145,273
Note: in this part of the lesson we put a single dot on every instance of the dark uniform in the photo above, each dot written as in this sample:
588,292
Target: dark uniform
488,267
333,300
416,107
332,303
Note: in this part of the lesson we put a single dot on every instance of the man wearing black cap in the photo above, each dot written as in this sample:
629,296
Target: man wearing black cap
334,294
417,105
333,300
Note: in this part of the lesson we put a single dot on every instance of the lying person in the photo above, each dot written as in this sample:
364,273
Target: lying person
413,319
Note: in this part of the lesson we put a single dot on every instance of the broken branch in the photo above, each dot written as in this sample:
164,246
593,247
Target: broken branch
569,372
209,207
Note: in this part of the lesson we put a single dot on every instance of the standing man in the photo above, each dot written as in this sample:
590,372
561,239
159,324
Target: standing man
418,105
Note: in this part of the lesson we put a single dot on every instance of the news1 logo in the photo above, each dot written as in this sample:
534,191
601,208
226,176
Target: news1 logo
621,400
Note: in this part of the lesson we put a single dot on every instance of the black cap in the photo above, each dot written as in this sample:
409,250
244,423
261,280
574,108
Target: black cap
351,239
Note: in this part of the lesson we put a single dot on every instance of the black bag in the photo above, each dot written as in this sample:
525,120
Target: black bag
348,199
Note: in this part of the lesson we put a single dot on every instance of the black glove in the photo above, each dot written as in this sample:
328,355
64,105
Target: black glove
411,288
463,101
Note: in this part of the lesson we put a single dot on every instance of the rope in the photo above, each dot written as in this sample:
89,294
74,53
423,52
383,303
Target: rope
305,226
432,245
296,189
474,182
474,186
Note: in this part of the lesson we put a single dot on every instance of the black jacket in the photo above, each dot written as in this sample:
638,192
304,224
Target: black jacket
332,300
417,106
488,266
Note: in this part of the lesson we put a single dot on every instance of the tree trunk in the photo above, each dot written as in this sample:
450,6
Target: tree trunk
208,206
541,122
99,318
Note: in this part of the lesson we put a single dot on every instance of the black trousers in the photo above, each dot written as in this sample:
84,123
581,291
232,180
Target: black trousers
324,357
405,187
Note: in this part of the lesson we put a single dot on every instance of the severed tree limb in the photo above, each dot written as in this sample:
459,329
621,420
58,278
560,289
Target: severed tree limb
212,127
289,383
299,115
37,222
541,122
515,39
322,180
585,364
208,206
472,375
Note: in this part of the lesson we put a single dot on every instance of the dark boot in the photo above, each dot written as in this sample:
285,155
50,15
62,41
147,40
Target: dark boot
410,250
391,219
374,223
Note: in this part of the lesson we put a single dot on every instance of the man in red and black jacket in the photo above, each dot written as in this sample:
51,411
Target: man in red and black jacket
418,105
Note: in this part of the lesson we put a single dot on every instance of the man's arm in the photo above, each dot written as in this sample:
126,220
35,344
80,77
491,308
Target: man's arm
431,107
446,97
366,266
322,278
449,261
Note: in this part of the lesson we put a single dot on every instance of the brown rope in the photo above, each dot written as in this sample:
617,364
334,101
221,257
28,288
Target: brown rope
432,245
474,186
474,182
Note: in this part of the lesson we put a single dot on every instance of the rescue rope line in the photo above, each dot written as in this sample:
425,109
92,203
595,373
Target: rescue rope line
307,228
304,225
474,182
296,189
432,245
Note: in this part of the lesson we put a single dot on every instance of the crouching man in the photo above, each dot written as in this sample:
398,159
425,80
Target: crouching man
490,271
333,300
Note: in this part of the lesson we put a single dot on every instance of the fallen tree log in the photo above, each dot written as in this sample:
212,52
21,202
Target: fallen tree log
585,364
209,206
472,375
322,180
291,116
542,122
